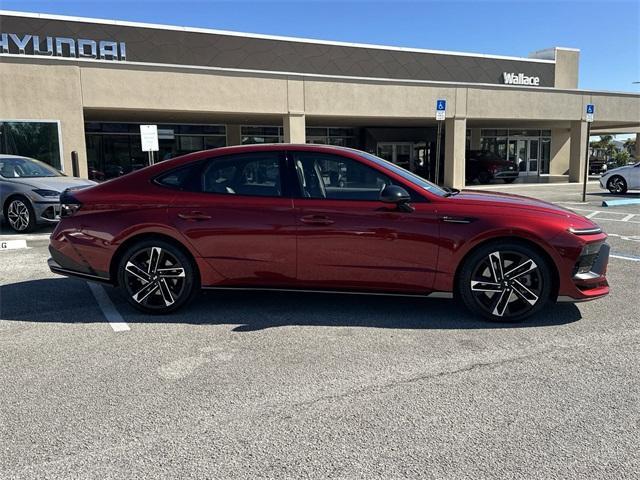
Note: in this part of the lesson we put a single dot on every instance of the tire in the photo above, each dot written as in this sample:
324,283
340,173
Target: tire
509,180
510,296
19,214
617,184
150,291
484,178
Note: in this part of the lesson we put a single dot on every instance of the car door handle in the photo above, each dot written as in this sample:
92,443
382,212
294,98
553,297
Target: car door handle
316,220
194,216
449,219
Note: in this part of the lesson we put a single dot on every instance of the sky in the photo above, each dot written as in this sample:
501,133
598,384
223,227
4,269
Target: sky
606,32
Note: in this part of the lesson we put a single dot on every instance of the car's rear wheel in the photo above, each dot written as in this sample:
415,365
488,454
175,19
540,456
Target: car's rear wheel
505,282
509,180
617,184
20,215
157,277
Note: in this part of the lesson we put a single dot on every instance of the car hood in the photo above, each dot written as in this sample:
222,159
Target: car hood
624,168
53,183
495,199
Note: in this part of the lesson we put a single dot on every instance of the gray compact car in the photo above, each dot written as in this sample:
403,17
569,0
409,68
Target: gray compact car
30,191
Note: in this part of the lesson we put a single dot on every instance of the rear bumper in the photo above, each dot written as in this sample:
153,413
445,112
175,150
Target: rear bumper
63,265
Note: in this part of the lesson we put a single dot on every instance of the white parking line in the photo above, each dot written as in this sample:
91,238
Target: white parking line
108,308
626,257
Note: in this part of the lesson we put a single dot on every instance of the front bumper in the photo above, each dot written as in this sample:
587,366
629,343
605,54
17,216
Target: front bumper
589,275
47,212
507,174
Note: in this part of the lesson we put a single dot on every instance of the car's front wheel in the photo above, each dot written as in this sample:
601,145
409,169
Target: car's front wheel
617,184
20,215
505,281
157,277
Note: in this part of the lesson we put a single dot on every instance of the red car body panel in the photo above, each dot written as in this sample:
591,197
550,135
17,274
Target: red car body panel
289,242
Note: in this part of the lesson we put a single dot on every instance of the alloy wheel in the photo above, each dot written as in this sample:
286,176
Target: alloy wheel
507,284
18,214
154,278
617,185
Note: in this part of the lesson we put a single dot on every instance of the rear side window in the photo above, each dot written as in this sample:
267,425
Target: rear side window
256,174
183,178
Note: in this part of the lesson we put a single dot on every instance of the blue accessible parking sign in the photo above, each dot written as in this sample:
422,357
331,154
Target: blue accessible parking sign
441,107
591,109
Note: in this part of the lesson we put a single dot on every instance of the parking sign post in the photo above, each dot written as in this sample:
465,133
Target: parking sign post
441,113
591,110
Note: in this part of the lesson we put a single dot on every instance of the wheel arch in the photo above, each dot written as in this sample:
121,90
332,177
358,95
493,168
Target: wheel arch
526,241
140,237
13,195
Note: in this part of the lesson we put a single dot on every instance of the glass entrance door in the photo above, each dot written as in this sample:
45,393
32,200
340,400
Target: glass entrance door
526,153
402,154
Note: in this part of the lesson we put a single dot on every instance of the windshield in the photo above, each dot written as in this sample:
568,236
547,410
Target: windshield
22,167
407,175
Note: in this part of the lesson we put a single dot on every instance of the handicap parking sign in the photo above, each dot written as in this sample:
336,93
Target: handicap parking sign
441,107
591,109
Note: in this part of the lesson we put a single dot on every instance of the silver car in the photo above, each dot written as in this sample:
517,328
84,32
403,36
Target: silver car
30,191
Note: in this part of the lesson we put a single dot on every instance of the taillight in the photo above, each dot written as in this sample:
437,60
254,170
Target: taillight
68,204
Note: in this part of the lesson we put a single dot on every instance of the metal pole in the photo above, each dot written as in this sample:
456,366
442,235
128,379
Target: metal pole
437,172
586,165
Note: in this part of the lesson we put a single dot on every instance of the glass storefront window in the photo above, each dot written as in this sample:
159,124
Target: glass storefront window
39,140
114,149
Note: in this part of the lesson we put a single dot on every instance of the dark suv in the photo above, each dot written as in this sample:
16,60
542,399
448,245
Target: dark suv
484,166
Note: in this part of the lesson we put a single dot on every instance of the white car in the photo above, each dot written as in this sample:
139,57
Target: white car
621,179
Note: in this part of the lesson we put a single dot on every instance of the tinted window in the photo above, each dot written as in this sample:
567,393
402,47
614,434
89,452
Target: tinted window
252,174
418,182
181,178
334,177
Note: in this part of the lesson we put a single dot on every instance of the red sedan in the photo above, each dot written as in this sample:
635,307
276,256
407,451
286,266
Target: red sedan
310,217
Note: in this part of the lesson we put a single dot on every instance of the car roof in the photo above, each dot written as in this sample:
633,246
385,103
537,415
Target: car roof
6,156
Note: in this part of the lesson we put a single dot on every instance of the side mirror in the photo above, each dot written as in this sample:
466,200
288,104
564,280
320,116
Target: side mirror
397,195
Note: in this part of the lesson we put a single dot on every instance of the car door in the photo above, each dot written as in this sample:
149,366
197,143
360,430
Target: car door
634,177
239,217
348,239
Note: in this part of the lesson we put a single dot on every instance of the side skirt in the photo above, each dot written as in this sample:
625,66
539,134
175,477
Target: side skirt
340,292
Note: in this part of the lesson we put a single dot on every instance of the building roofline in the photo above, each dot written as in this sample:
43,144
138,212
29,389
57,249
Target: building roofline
158,26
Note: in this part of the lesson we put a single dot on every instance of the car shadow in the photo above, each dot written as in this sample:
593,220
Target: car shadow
64,300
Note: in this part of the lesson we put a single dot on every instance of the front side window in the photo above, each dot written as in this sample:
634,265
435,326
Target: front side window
250,174
329,176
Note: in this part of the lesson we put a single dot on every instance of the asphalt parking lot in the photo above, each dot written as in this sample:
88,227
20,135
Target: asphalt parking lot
265,385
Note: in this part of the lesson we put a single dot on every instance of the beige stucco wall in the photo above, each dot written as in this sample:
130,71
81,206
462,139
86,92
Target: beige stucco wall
567,65
54,89
46,92
560,150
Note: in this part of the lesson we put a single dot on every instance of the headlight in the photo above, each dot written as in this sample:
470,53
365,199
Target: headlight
47,193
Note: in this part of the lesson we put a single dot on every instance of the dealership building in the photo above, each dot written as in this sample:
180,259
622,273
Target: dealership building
85,85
